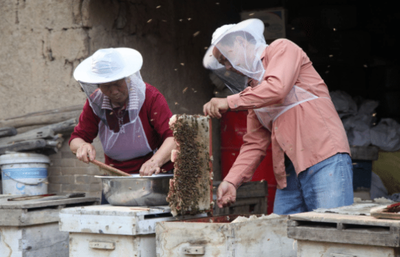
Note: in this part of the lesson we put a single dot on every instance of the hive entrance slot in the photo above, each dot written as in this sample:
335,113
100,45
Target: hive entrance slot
316,224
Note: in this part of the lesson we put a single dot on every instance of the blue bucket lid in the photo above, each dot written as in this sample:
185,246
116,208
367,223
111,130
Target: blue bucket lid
15,158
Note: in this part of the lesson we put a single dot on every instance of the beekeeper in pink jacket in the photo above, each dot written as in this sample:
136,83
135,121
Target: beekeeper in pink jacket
288,106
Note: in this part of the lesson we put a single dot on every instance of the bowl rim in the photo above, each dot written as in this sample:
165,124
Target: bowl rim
136,176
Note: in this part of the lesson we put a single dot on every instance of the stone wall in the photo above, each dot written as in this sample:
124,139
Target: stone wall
43,41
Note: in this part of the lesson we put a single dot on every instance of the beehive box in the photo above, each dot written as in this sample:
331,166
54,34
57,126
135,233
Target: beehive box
341,235
29,228
219,236
113,231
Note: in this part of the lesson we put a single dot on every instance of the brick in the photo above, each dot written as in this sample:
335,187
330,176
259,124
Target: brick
86,179
67,155
56,163
54,188
68,163
94,170
79,163
55,156
76,170
53,171
69,179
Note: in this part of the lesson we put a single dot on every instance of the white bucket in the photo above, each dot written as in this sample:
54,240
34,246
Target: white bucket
24,173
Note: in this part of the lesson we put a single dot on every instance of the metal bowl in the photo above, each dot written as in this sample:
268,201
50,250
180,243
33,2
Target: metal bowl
136,190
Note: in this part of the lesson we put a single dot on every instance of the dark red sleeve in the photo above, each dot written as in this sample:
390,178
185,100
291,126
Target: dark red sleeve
159,113
88,125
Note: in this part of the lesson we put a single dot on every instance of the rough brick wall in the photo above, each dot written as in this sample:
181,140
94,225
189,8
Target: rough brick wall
69,175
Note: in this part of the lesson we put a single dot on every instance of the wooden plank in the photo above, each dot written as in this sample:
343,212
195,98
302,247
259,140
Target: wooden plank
340,218
40,120
40,133
8,131
42,203
23,146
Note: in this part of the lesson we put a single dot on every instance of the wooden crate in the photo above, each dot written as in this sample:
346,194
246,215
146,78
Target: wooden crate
333,234
219,236
251,198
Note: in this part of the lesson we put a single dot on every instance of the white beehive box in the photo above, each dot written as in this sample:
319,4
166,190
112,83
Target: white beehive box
113,231
29,228
218,236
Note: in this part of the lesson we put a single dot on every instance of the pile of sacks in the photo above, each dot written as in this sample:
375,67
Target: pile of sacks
359,119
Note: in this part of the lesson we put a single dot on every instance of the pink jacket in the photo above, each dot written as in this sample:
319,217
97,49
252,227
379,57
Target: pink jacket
308,133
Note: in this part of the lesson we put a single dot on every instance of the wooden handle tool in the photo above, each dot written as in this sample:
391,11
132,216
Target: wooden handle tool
110,169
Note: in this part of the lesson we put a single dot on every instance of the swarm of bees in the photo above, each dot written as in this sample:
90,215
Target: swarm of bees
191,184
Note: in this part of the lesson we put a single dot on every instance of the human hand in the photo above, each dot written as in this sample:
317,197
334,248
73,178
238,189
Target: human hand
149,167
226,194
216,107
86,152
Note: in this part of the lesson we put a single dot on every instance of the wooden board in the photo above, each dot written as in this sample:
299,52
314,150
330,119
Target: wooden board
37,211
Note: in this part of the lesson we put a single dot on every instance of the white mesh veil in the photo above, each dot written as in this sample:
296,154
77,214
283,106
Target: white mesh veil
136,89
242,45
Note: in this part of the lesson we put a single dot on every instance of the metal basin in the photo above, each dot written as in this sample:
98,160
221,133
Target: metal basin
136,190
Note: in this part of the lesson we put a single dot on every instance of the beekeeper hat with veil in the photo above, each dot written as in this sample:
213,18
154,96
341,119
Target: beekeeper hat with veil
108,65
242,45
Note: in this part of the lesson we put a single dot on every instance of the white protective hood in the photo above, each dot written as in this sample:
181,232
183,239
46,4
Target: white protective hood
242,44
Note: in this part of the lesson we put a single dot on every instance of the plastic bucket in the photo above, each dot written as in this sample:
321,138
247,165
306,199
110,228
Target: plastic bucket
24,173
